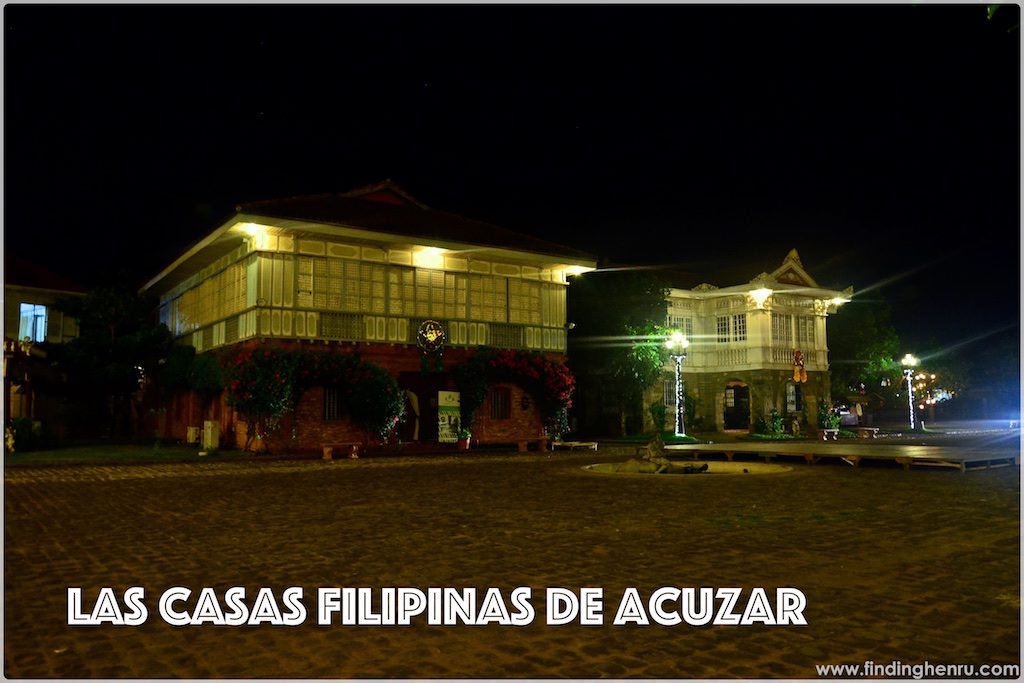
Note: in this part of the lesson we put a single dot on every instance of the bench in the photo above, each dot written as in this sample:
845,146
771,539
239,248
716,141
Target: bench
866,432
826,433
351,446
573,445
542,444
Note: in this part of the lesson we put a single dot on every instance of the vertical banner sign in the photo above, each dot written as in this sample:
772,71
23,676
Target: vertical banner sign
447,416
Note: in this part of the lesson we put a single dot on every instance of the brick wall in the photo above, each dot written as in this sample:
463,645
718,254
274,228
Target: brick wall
310,429
522,424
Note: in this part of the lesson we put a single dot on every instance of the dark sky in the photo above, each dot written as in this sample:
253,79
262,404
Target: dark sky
878,140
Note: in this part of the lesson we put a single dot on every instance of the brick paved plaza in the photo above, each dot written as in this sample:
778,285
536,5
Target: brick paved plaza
910,566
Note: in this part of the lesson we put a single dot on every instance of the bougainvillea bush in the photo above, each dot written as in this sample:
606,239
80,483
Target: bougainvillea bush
371,396
261,386
266,384
549,382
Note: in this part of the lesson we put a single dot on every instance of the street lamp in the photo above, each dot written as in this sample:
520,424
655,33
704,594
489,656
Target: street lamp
676,345
908,371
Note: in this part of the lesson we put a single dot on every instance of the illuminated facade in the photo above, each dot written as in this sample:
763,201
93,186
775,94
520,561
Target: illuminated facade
746,340
364,270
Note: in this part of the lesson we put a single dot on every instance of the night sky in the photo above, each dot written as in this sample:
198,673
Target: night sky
880,141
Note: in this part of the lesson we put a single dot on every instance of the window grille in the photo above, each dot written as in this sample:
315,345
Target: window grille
332,404
501,403
506,336
345,326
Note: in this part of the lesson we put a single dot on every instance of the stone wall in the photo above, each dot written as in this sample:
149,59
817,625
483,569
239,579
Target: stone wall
767,391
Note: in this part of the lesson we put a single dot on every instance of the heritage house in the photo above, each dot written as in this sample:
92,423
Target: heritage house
372,272
754,347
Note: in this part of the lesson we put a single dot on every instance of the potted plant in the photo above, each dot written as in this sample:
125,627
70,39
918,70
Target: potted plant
464,436
828,421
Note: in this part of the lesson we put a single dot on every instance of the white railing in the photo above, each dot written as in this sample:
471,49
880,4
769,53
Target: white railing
784,355
731,357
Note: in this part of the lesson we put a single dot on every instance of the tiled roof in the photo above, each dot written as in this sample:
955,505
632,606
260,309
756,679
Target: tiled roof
385,207
720,272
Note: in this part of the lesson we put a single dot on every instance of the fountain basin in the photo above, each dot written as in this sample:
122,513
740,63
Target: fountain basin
715,467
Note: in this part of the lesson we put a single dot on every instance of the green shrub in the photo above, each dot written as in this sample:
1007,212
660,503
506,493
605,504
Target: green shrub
828,417
771,424
659,415
25,437
264,384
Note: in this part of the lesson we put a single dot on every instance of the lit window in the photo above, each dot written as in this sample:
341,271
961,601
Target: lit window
794,398
782,327
668,391
805,330
722,323
739,327
33,322
681,323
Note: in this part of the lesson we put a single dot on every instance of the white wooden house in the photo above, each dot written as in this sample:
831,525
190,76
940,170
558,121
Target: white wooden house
366,268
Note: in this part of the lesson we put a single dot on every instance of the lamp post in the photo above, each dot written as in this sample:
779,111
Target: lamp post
676,345
908,371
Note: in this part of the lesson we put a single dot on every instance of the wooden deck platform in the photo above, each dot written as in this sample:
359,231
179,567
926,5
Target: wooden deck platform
574,445
961,458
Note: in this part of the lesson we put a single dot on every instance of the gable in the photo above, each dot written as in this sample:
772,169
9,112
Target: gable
792,272
385,192
790,276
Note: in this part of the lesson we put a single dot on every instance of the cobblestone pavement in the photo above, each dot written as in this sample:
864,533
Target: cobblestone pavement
909,566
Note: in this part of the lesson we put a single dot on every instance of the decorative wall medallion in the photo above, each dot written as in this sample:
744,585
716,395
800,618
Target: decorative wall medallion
431,336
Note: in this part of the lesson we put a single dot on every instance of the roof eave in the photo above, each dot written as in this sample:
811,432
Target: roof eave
351,232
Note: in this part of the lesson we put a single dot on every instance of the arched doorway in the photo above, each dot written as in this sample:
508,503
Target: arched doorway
736,407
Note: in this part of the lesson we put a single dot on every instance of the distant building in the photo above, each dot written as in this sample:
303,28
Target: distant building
745,340
362,272
31,325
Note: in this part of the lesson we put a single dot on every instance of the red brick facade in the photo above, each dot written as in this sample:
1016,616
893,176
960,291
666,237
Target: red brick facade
309,429
522,423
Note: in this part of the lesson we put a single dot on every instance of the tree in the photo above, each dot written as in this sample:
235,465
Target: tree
863,348
120,346
618,339
991,366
